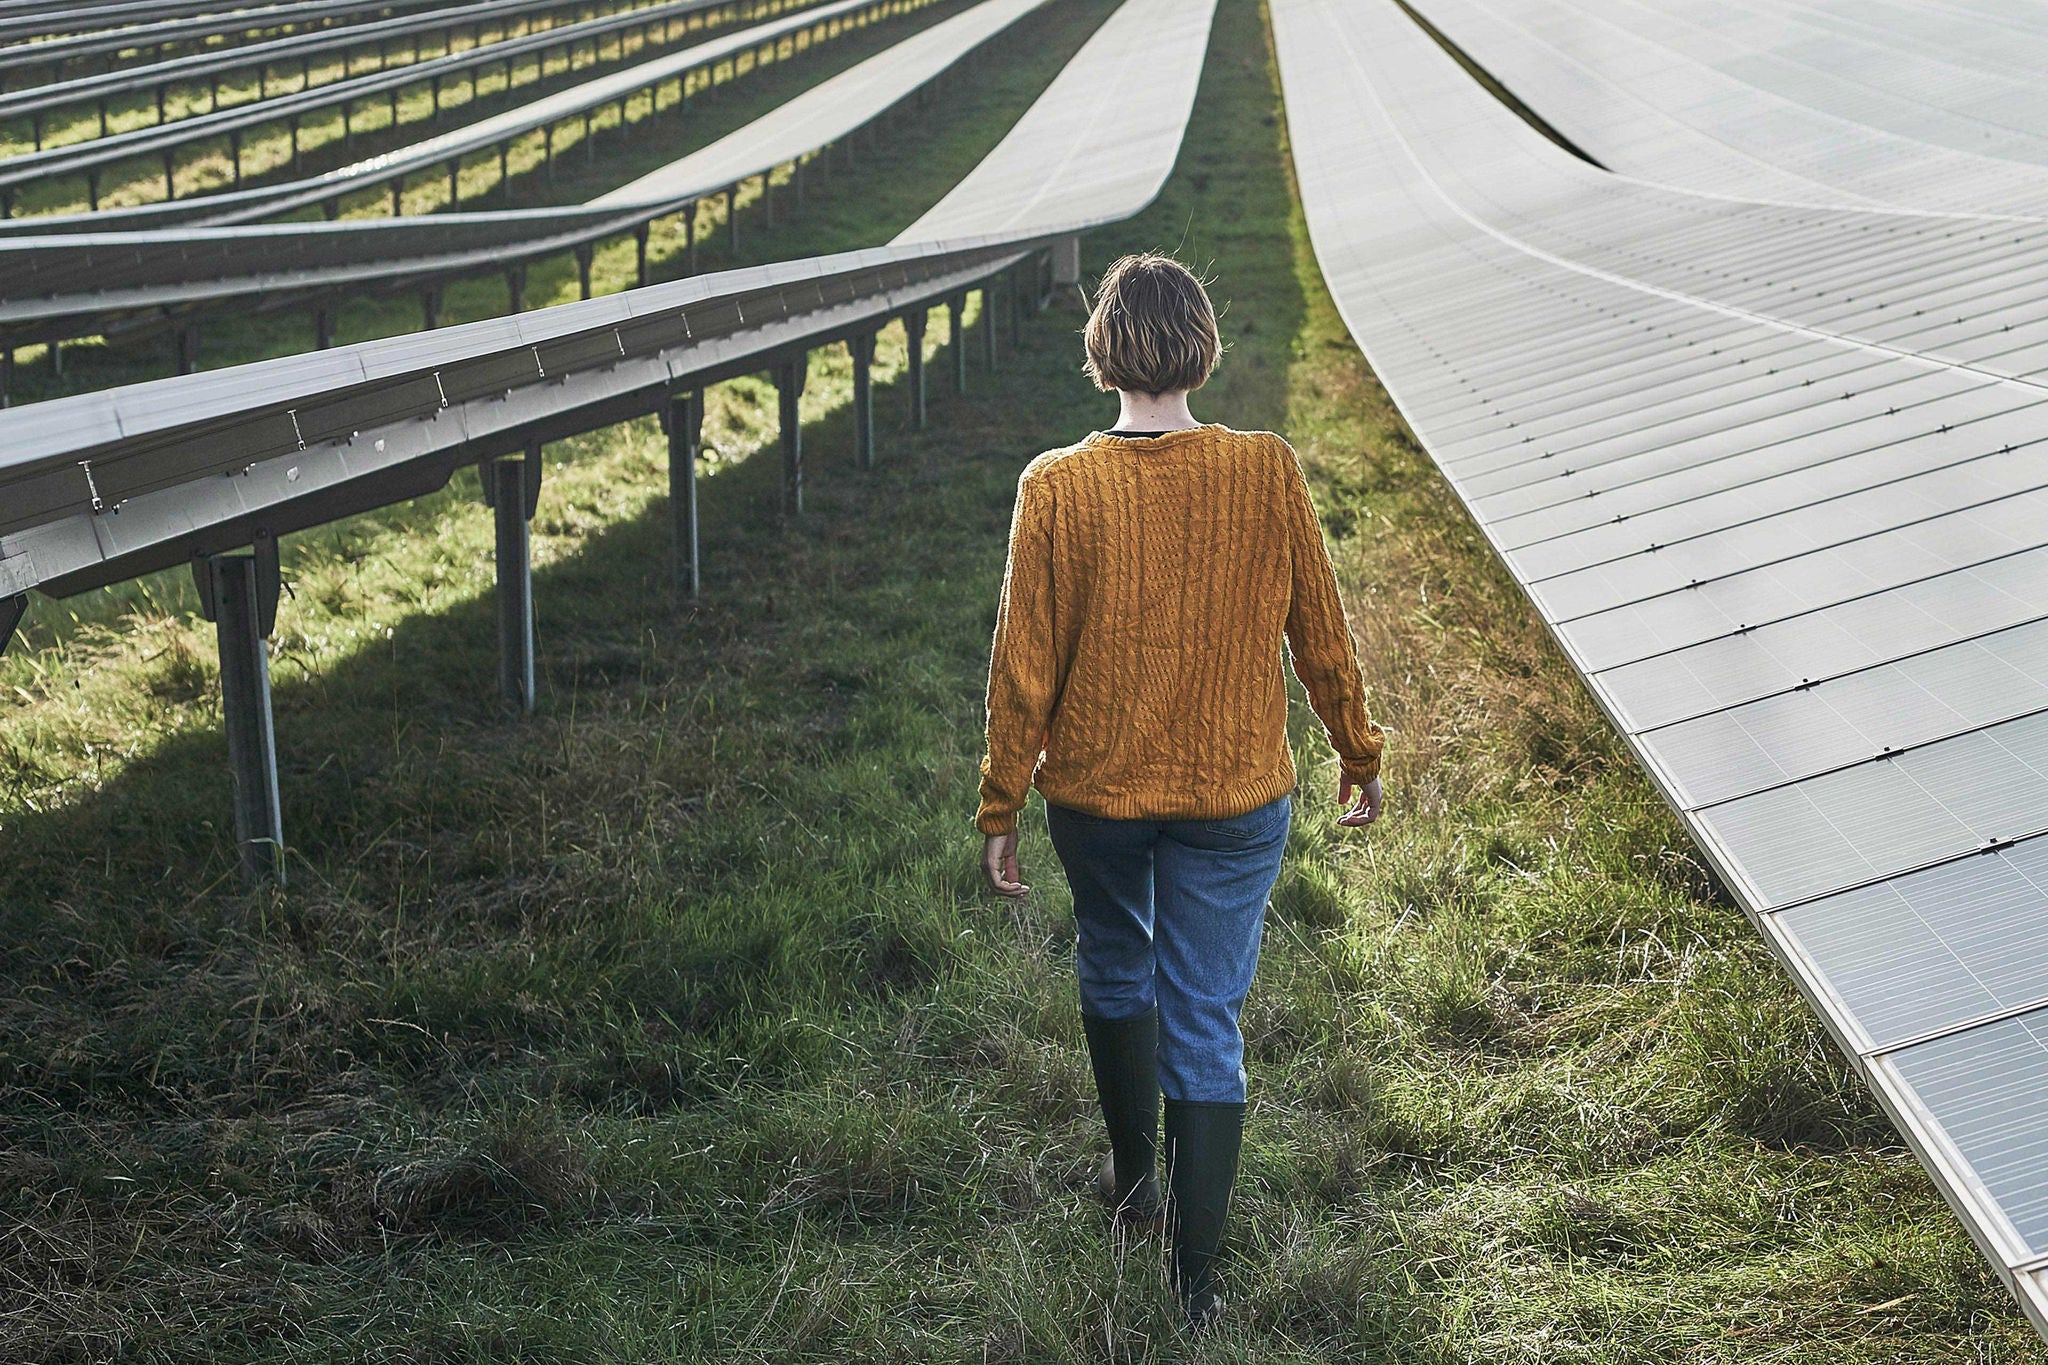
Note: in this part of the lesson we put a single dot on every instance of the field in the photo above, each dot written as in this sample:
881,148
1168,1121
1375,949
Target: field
669,1024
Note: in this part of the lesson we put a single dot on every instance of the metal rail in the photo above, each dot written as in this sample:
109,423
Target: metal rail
1773,478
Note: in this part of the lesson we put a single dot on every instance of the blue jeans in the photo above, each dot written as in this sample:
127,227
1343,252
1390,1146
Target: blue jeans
1170,913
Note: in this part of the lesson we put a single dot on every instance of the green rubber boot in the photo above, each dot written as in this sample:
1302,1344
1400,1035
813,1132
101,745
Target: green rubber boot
1202,1144
1124,1053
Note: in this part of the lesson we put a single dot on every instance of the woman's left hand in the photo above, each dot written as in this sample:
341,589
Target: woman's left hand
1000,866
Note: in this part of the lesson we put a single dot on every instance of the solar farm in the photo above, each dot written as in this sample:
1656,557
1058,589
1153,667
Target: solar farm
501,510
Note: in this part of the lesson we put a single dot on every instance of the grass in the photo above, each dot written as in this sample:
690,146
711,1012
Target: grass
669,1024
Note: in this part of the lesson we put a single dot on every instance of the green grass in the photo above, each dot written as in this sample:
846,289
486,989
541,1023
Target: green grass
668,1024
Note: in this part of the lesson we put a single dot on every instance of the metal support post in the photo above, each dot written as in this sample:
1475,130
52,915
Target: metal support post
988,324
1016,275
187,341
397,189
238,593
768,200
685,416
862,347
323,329
515,288
1066,260
789,386
584,255
430,308
12,609
170,181
956,308
512,488
913,332
690,233
640,255
455,183
732,221
235,154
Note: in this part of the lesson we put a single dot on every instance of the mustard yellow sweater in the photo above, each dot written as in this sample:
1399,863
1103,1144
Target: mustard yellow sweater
1136,670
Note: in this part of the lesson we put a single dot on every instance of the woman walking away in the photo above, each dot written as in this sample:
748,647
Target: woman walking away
1154,571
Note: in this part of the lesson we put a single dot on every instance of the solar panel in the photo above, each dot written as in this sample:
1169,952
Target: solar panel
82,278
1773,473
1873,103
1075,178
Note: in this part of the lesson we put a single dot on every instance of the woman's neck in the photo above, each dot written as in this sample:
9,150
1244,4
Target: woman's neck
1154,412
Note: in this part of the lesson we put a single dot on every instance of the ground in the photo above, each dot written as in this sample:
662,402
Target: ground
669,1024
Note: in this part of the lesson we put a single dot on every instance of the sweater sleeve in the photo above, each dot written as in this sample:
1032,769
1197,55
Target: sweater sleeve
1319,636
1023,667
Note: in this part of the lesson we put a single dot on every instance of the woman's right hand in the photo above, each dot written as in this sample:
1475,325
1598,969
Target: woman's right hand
1367,808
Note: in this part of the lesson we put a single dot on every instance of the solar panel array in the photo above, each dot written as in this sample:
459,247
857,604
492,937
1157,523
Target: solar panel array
91,156
1774,474
388,403
1872,103
82,283
73,284
344,42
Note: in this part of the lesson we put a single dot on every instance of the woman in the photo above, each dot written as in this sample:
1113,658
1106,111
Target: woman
1136,681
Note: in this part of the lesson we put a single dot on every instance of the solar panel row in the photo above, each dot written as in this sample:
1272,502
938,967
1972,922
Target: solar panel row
1773,475
91,157
72,284
1880,104
196,417
475,20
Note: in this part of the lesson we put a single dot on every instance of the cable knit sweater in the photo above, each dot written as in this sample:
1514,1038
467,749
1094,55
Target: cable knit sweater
1136,669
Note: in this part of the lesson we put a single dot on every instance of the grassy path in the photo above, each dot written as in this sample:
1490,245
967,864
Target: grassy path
668,1025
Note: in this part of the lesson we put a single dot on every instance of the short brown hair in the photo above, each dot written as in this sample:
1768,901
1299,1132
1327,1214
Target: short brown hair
1153,329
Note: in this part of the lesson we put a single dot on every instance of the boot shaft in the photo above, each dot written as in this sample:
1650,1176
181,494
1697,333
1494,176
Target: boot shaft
1203,1142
